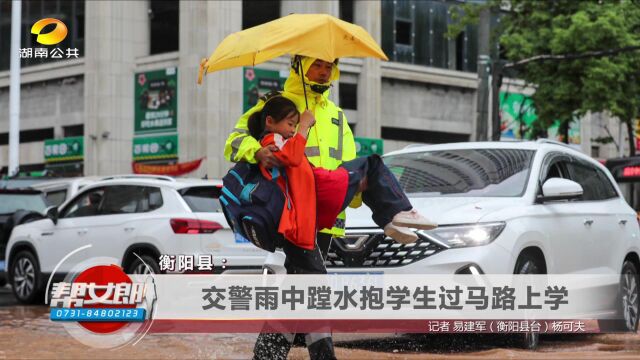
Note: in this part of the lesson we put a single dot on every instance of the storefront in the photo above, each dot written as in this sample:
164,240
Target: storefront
64,157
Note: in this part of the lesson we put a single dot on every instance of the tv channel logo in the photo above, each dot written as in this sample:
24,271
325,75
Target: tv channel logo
103,307
53,37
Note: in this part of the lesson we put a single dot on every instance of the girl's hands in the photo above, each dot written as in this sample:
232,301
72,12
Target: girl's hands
307,120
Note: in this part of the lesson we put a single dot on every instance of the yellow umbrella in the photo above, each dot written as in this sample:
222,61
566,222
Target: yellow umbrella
314,35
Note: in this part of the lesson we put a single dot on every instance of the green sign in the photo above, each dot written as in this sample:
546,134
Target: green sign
156,102
258,82
67,149
368,146
517,114
155,147
515,110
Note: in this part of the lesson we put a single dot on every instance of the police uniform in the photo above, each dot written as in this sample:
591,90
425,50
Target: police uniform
330,140
329,143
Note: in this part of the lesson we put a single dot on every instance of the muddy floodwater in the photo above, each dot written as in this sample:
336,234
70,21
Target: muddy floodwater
26,332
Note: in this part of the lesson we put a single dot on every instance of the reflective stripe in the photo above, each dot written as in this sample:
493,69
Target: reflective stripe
241,131
340,134
337,153
312,151
235,146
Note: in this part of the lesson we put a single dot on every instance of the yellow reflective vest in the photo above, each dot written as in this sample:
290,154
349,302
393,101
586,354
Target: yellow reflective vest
330,140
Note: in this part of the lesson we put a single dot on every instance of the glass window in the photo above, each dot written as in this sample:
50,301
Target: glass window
257,12
595,185
555,171
56,198
413,31
86,204
165,27
556,167
202,198
10,203
403,32
5,34
346,10
73,130
129,199
120,199
348,96
27,136
151,199
607,187
468,172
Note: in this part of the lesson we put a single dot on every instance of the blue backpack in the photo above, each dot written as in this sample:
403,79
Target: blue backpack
253,205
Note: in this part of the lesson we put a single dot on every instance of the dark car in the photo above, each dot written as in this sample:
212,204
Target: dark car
17,206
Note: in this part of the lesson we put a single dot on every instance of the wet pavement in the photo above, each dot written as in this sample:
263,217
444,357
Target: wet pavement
27,332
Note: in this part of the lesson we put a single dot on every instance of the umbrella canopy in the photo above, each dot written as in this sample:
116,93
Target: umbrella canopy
314,35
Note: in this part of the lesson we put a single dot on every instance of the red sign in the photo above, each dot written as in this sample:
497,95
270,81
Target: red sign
171,170
631,171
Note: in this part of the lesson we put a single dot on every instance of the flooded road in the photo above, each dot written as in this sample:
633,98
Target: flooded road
27,332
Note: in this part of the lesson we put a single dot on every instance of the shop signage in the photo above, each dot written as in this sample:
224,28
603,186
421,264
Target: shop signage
156,101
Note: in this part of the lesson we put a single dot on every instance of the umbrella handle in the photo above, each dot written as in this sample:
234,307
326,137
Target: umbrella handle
304,87
203,65
306,102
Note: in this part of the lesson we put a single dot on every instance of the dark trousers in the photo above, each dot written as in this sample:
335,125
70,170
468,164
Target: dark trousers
383,194
299,261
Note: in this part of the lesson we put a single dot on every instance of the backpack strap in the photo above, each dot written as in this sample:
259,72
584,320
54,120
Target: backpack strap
275,173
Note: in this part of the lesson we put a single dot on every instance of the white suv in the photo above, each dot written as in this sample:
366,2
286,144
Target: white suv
121,218
503,208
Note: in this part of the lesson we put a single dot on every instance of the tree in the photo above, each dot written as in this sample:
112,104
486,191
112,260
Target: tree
580,56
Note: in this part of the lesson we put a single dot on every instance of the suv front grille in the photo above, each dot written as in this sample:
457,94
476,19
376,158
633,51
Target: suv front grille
377,250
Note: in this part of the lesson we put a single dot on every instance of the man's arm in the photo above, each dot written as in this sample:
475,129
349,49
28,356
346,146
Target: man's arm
348,143
348,154
240,146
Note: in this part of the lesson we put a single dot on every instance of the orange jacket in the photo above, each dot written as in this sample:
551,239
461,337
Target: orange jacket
298,220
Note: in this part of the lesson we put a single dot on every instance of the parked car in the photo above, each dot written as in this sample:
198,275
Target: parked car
504,208
17,206
134,219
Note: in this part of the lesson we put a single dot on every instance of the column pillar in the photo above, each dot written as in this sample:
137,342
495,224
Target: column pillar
115,37
207,112
368,14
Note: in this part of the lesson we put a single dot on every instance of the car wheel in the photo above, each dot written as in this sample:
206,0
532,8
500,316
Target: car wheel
629,299
26,280
139,266
527,265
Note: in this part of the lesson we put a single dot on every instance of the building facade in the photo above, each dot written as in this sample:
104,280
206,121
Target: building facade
426,93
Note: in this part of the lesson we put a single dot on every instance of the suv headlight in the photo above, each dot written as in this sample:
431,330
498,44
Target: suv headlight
466,235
